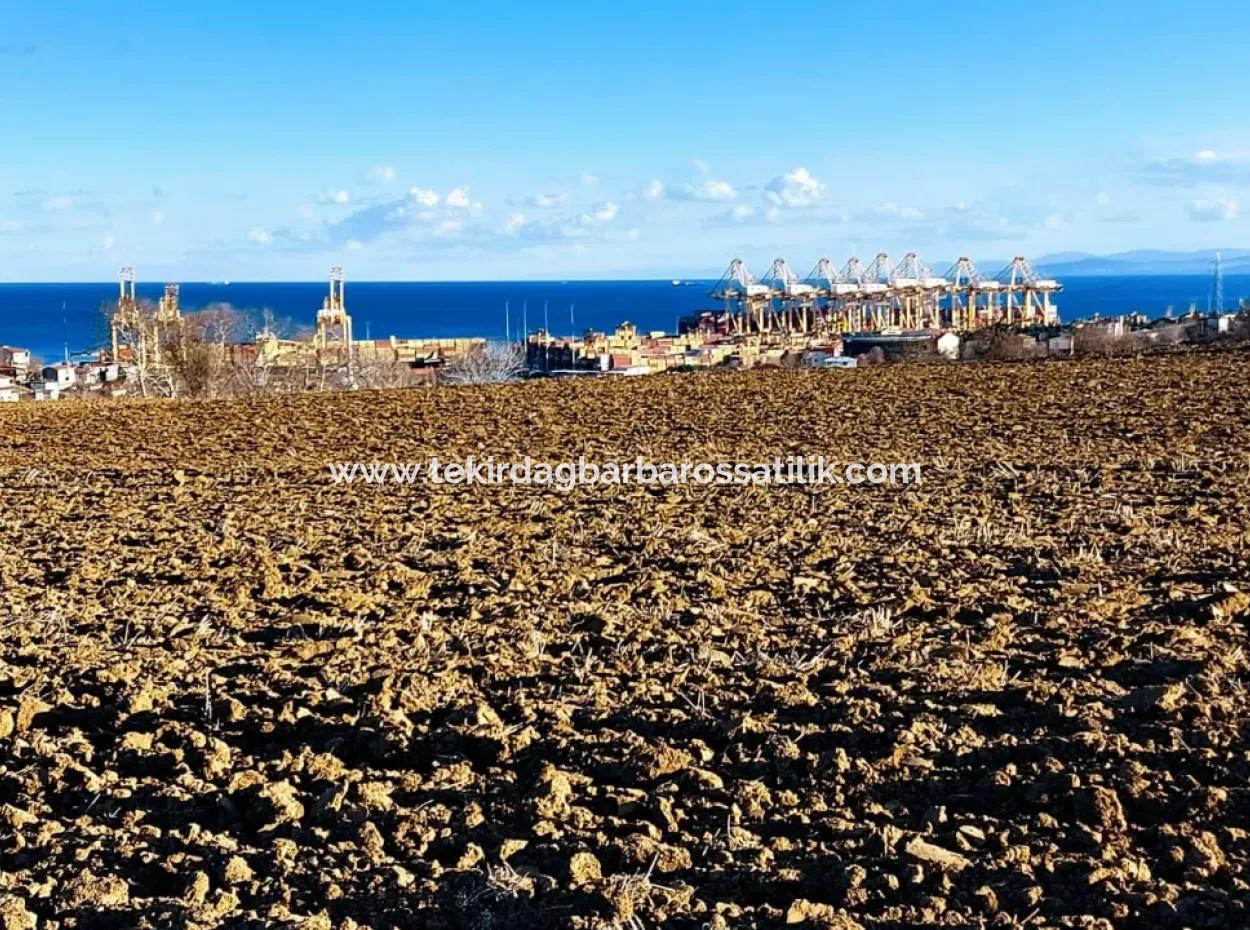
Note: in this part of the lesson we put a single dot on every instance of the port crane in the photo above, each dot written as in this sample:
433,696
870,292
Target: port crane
747,302
883,296
1027,294
793,299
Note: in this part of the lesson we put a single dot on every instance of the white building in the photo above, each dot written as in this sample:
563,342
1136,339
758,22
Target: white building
1113,327
11,357
45,390
1059,345
9,391
62,374
99,372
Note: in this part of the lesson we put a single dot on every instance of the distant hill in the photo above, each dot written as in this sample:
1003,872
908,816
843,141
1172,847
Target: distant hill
1142,262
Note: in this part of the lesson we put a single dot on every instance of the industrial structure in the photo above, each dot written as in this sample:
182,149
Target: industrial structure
881,297
333,342
168,310
142,333
135,331
334,325
126,315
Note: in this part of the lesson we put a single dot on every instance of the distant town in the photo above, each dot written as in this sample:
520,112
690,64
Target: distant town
832,318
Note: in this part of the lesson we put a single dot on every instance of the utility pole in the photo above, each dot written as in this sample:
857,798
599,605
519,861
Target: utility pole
1218,285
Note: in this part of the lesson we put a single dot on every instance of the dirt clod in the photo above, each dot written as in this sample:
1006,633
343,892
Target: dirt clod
936,855
15,916
1011,695
584,867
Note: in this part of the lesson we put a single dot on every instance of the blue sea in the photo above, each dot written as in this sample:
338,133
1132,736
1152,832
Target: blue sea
45,317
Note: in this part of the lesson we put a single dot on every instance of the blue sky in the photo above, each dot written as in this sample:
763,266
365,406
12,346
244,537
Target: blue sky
558,140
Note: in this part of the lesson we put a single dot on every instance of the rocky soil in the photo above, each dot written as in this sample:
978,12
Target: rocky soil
234,694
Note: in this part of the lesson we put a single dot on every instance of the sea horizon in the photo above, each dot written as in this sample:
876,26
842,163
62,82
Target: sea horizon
45,316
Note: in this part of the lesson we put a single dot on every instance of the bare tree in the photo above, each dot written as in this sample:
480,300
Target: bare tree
378,372
249,371
194,349
1099,340
135,334
999,342
492,362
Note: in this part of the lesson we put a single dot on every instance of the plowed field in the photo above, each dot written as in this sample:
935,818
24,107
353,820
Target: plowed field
235,694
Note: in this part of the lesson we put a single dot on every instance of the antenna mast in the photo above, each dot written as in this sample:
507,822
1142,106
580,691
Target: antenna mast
1218,285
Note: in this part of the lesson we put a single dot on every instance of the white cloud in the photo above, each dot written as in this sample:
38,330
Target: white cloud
602,213
260,236
427,198
738,213
797,188
449,229
589,179
158,217
354,245
420,208
108,242
548,201
709,190
458,199
1213,210
700,165
593,224
383,173
893,211
1202,167
653,191
58,204
336,196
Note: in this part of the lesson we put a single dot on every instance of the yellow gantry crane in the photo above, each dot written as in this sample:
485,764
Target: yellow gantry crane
883,297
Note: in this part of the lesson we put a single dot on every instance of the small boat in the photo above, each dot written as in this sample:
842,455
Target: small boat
675,283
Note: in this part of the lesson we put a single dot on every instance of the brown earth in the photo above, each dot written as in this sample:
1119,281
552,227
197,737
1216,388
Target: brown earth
235,694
